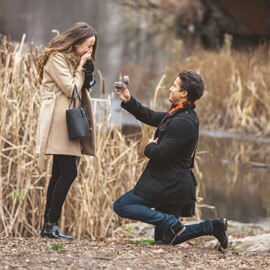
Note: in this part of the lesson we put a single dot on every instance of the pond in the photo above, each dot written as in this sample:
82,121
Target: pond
236,176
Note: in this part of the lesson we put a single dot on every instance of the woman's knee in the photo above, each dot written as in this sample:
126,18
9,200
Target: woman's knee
73,173
70,174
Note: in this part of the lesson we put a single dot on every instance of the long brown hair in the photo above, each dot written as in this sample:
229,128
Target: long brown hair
66,42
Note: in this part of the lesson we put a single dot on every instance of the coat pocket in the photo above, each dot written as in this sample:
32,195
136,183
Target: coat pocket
44,122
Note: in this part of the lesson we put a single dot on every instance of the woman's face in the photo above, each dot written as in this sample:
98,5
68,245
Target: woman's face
86,46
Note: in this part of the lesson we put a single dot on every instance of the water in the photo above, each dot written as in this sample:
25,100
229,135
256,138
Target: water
236,177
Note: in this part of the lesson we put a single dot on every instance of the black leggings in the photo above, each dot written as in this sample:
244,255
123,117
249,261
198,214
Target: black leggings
64,172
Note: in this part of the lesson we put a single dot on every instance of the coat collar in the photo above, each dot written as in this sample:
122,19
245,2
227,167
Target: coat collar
185,108
73,59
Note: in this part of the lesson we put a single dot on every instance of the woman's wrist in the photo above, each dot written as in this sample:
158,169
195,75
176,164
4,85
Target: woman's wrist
82,62
80,67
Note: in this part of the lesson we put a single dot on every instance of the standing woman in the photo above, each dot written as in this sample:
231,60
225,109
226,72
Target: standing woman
65,63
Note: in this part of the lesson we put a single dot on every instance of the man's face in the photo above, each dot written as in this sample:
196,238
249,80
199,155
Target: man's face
177,96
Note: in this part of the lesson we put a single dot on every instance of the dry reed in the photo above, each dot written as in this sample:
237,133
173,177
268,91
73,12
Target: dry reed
88,208
237,86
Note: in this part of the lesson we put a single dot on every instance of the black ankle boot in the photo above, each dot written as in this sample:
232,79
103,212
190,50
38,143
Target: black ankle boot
44,224
170,234
51,230
219,231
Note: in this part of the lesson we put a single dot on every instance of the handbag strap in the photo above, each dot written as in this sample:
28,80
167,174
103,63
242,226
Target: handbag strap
196,145
73,98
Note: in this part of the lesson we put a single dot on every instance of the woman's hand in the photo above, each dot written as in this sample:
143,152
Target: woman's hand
85,57
122,93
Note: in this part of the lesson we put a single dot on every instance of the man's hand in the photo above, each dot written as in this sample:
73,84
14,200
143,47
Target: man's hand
153,140
122,93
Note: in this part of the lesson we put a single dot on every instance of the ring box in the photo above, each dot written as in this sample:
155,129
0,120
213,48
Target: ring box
121,84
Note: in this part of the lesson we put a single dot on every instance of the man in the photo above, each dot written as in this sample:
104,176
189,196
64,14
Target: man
167,184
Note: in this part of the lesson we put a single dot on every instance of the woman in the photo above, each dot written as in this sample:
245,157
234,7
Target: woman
66,62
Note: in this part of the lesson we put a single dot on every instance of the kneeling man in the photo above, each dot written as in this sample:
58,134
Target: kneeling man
166,189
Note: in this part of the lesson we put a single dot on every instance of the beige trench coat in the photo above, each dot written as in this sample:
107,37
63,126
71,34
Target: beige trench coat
59,77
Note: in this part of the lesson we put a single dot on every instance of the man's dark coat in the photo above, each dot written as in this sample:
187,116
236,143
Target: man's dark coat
167,178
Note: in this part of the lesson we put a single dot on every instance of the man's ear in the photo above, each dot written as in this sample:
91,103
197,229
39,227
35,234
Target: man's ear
184,94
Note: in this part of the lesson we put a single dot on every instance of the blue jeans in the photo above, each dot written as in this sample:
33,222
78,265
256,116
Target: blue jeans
133,206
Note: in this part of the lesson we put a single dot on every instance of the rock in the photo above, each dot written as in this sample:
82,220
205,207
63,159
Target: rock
240,230
231,16
252,243
257,243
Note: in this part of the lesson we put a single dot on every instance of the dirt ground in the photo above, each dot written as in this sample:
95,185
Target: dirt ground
39,253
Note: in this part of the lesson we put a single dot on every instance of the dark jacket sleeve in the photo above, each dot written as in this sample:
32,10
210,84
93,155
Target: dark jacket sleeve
179,133
142,113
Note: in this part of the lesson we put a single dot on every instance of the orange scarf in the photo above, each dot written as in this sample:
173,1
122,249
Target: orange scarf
181,106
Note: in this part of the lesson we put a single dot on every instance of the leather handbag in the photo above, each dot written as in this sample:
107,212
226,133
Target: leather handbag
78,122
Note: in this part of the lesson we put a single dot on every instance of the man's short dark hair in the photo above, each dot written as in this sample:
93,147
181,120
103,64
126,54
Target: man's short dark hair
193,83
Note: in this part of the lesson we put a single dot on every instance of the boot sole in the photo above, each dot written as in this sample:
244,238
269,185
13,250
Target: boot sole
179,233
57,237
66,237
52,237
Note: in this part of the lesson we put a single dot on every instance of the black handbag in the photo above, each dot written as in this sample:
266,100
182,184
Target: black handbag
78,123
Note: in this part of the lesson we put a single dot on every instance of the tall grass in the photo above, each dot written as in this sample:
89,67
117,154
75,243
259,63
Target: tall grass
88,208
87,211
237,86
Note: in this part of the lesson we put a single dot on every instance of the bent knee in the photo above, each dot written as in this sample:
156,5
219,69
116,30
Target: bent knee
116,206
119,208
